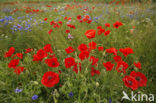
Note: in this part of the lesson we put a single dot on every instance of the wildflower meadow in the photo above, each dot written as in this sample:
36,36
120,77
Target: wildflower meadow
77,51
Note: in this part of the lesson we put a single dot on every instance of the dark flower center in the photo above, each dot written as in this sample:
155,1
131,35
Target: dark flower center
138,78
116,25
130,82
53,63
40,53
50,77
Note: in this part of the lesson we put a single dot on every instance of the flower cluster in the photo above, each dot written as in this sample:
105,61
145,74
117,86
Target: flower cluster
14,62
49,79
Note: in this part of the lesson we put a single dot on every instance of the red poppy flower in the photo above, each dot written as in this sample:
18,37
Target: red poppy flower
52,56
80,21
73,26
50,79
94,60
65,18
75,69
94,71
138,65
28,11
69,50
19,55
90,33
28,50
67,31
10,52
100,31
52,22
141,78
49,32
48,48
53,62
84,55
69,25
79,17
60,22
100,48
108,65
82,47
45,19
126,51
69,62
87,16
13,63
40,55
18,70
92,45
85,19
56,26
117,24
69,18
130,82
36,58
107,25
112,50
48,6
35,11
99,27
121,66
117,58
107,32
89,21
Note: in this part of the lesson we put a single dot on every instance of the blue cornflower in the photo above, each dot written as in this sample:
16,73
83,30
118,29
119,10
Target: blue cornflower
110,100
18,90
130,16
29,25
96,18
6,18
71,94
2,20
34,97
28,20
26,28
15,29
10,18
19,17
90,18
20,28
6,23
